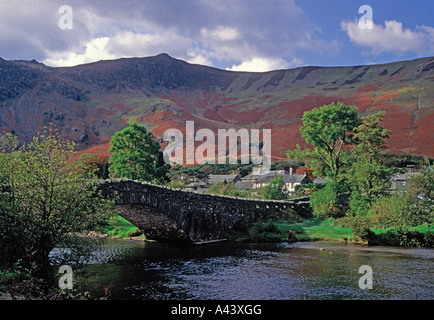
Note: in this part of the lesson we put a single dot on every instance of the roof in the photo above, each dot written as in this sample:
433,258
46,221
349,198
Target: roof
271,174
243,185
294,178
218,178
321,180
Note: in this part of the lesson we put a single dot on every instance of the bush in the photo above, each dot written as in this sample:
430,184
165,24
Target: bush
51,198
329,201
396,210
412,238
275,190
265,232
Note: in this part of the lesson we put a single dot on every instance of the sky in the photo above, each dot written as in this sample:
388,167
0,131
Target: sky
238,35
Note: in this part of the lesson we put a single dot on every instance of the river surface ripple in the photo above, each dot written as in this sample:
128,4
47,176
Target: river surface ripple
232,271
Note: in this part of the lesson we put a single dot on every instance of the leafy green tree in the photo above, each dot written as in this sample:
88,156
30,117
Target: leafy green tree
421,189
275,190
96,164
394,210
45,200
422,185
368,173
137,155
331,200
368,176
330,130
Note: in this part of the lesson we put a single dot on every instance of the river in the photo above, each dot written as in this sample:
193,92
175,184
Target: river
235,271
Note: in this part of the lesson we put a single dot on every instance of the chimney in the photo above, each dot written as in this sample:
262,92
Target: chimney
291,171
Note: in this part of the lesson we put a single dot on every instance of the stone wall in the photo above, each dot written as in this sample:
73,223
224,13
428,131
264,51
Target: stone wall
202,216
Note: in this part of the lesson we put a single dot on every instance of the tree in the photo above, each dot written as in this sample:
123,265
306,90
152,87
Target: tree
275,190
46,199
137,155
368,175
330,201
95,163
306,171
329,129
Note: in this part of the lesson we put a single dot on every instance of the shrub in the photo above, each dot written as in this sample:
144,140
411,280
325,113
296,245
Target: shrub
396,210
328,202
265,232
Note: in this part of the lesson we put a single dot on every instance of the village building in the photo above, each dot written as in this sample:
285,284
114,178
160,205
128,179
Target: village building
260,178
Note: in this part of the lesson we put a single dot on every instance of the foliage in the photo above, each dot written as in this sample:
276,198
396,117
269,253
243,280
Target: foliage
275,190
422,185
137,155
225,168
264,232
312,186
404,160
307,171
47,198
95,164
329,129
188,174
227,189
330,200
397,210
368,175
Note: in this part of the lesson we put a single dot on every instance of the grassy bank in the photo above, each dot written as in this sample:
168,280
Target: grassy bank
120,228
317,229
314,229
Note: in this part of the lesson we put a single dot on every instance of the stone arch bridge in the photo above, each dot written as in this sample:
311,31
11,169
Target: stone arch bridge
203,217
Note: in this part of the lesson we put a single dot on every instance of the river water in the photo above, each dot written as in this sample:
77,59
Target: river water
234,271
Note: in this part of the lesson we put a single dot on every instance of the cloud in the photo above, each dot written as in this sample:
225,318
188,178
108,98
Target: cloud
125,44
242,34
95,50
392,37
265,64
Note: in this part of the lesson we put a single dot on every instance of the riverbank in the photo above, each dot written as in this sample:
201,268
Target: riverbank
315,229
311,229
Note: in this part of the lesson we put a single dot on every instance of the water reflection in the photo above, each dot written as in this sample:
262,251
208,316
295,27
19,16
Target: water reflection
257,271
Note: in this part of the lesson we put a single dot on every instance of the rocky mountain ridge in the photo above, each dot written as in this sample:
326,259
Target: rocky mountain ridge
89,103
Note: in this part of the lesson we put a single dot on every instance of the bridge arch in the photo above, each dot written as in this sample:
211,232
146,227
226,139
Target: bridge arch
203,217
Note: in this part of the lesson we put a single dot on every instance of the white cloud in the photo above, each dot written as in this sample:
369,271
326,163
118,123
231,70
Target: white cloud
96,49
265,64
221,33
124,44
392,37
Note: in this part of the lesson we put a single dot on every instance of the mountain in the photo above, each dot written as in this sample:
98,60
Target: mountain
89,103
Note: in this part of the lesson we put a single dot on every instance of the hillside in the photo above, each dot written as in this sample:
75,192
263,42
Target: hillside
89,103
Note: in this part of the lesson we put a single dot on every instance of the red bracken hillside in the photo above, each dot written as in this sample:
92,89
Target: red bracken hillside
89,103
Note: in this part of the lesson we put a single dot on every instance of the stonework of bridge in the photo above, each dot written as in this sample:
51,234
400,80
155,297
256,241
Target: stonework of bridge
203,217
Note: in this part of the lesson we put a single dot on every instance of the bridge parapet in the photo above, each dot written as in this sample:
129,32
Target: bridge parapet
202,216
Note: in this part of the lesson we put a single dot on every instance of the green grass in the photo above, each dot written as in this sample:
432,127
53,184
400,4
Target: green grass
119,227
317,229
422,229
324,229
